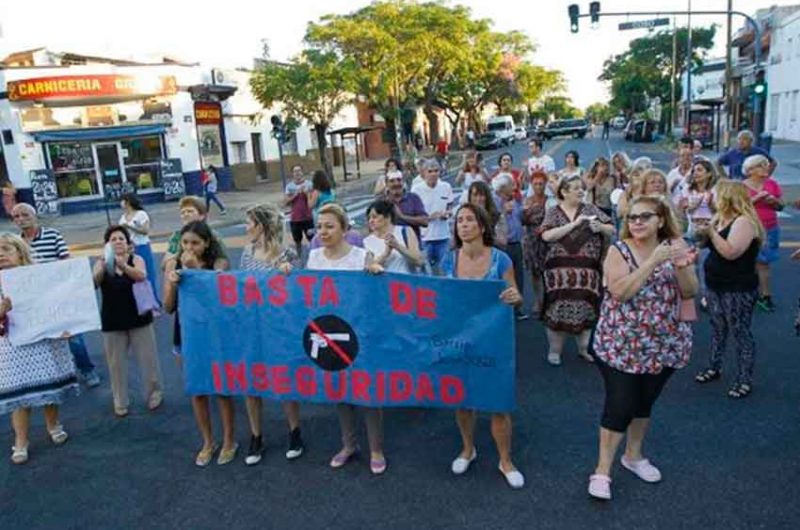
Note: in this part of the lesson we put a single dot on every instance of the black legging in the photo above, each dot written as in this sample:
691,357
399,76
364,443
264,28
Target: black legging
629,396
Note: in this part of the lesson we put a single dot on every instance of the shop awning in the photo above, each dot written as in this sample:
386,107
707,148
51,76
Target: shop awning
99,133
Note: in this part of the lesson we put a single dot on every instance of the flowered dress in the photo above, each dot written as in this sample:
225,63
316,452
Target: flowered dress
644,334
572,268
533,247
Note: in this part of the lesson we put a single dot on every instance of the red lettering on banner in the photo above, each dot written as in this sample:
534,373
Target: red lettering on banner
307,283
330,392
217,376
404,300
252,294
400,386
426,303
380,391
359,385
258,372
424,390
401,297
235,376
306,381
329,294
280,381
226,285
277,284
451,390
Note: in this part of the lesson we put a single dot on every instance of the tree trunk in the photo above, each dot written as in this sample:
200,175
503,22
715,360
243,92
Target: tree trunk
454,143
433,123
390,134
322,144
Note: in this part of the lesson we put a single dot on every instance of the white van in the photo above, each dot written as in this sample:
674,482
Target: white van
503,127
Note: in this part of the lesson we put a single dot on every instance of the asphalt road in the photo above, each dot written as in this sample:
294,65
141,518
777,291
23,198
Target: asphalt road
726,464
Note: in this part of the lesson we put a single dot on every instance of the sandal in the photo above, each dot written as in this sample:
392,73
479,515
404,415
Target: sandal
586,356
342,457
739,391
706,376
58,435
19,455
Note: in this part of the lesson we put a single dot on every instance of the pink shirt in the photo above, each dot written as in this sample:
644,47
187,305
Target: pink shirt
767,215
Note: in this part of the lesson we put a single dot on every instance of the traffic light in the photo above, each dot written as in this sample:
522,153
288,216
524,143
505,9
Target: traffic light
594,13
573,17
760,86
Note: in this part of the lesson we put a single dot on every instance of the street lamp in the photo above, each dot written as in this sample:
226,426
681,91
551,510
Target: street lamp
279,133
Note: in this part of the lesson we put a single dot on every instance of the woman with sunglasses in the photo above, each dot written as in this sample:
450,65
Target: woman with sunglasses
640,339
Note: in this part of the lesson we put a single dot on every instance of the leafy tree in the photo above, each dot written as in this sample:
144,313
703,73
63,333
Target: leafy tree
559,107
643,71
316,86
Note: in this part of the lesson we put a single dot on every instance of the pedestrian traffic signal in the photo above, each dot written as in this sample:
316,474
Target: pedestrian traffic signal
760,88
594,14
573,17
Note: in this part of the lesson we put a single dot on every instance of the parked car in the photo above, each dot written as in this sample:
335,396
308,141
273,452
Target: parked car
520,133
640,130
532,131
575,128
503,126
487,141
618,122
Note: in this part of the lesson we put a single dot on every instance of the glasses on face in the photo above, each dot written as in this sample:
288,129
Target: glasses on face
643,217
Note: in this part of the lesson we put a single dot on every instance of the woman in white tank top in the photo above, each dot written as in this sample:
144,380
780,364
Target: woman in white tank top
395,248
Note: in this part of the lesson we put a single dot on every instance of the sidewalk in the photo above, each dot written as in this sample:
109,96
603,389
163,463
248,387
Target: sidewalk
85,231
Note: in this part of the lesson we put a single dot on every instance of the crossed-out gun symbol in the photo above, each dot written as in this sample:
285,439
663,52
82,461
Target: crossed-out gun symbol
318,341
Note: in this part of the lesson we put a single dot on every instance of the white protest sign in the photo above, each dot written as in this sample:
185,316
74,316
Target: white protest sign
49,300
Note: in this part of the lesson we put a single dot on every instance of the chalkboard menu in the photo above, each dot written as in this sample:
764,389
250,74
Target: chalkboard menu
114,190
45,192
172,178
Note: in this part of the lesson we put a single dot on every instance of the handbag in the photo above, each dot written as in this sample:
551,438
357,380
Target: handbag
145,297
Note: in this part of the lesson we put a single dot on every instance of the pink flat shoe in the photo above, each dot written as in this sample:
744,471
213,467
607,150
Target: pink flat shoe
600,487
342,457
377,466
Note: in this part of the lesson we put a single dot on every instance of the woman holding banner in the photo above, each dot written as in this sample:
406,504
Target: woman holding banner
476,258
266,252
337,254
31,375
200,250
124,328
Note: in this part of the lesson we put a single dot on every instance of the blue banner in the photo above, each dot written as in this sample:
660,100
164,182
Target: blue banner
340,336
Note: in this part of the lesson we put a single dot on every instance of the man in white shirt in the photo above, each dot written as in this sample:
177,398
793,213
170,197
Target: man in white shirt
677,179
436,196
538,163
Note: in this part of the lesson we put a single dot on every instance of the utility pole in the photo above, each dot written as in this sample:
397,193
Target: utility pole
728,76
688,122
673,111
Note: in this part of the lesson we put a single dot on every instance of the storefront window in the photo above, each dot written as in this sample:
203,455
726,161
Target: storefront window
142,163
73,165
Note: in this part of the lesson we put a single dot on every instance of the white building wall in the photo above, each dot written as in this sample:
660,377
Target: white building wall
783,80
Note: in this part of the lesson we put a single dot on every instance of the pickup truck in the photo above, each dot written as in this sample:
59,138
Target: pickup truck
574,128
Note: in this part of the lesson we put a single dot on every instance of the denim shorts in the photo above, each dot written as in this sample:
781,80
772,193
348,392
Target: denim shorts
770,250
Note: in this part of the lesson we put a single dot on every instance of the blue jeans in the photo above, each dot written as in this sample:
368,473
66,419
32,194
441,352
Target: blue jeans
435,252
212,196
78,349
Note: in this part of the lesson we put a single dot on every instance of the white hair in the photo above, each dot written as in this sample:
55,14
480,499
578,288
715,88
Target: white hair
745,134
501,181
430,164
754,161
24,206
643,163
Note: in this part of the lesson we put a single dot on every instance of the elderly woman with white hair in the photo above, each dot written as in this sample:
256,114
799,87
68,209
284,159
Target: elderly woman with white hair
577,235
510,207
766,196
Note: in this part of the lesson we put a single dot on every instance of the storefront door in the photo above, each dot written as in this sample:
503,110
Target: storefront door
110,169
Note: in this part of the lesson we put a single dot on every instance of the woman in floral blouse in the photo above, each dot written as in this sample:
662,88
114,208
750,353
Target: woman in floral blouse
640,338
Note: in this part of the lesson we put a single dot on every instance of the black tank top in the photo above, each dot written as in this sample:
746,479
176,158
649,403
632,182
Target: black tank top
737,275
119,312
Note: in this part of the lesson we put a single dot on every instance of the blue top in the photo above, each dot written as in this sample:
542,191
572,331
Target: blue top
500,263
513,219
736,157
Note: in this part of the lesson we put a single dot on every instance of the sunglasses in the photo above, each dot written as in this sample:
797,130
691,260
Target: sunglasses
644,217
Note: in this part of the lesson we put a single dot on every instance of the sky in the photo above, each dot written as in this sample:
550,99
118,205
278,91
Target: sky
232,36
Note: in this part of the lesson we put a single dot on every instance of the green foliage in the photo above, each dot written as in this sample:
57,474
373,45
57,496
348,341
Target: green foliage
644,70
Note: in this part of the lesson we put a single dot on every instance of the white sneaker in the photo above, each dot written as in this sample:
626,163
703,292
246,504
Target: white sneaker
460,465
642,469
554,359
514,478
600,487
